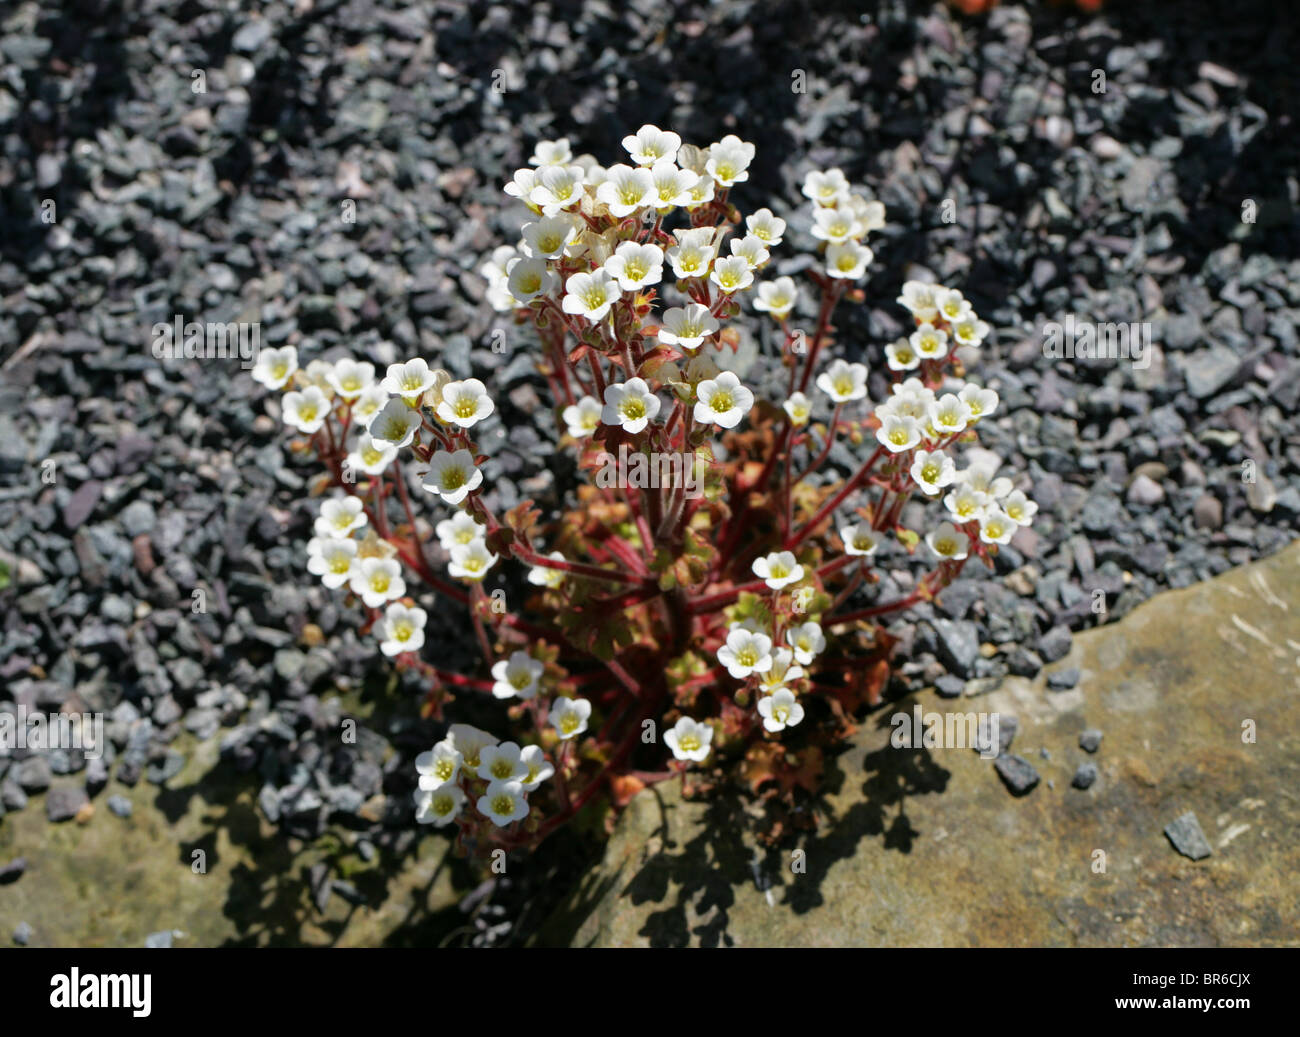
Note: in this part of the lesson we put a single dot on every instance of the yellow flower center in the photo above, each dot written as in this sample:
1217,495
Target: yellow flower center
371,456
569,723
502,769
307,412
340,564
466,407
721,400
521,680
443,805
502,804
444,768
633,407
453,479
689,743
379,582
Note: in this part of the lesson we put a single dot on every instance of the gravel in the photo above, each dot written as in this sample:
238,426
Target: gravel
1017,773
1090,740
1188,838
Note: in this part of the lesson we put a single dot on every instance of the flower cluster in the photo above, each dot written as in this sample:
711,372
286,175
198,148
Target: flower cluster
709,611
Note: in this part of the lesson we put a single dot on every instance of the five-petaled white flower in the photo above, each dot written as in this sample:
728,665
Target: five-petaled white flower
557,188
537,767
672,186
439,807
471,562
470,741
548,237
453,476
395,425
377,580
901,356
503,803
929,342
274,367
686,326
722,400
780,710
438,766
582,417
751,250
350,378
339,516
650,144
778,569
807,642
502,762
932,470
746,652
948,542
461,528
1019,508
859,539
898,433
970,332
465,403
630,404
546,575
783,671
625,190
569,716
836,226
401,629
551,153
982,402
689,739
829,187
799,408
409,380
919,298
331,558
691,255
371,457
729,160
766,227
777,298
636,266
997,527
590,295
967,504
517,677
848,260
843,381
732,274
530,278
949,414
306,410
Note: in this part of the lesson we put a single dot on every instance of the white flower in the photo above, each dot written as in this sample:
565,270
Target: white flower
766,227
551,153
870,214
548,237
537,767
970,332
306,410
569,716
929,342
966,504
783,671
470,741
651,145
521,187
848,260
702,192
630,404
452,476
519,676
530,278
545,575
778,569
439,766
826,188
689,739
557,188
836,226
331,559
979,476
732,274
686,326
807,641
919,298
746,652
859,539
401,629
897,433
636,266
371,457
948,542
461,528
780,710
339,516
409,380
777,297
350,378
843,381
625,190
503,803
729,160
582,417
722,400
1020,509
440,807
932,470
590,294
377,580
471,561
949,414
274,367
368,404
502,763
901,356
799,408
465,403
982,402
395,425
692,254
953,307
751,250
318,373
997,527
672,186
